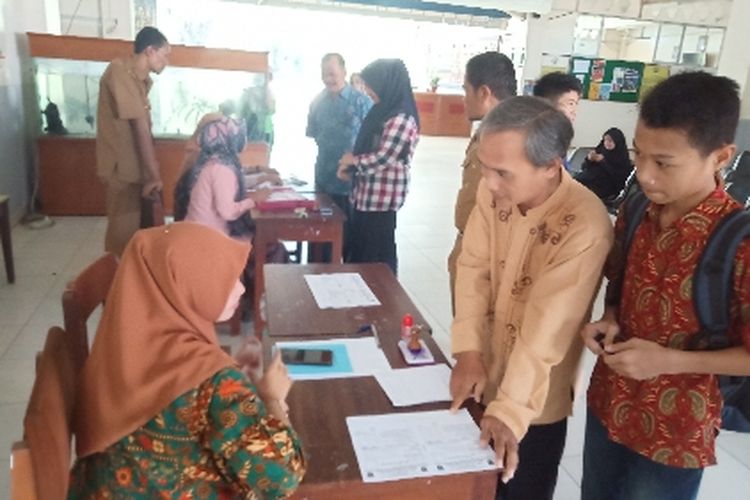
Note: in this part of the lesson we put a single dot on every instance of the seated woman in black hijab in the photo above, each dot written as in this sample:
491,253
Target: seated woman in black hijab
607,167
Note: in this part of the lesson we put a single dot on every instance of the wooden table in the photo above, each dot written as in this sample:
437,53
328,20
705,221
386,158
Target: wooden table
318,408
288,226
291,309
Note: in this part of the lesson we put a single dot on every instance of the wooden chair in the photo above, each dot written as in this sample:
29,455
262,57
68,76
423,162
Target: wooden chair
40,465
10,271
152,211
81,297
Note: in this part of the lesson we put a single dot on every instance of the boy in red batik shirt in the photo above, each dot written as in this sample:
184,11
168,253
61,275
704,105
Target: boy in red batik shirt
654,405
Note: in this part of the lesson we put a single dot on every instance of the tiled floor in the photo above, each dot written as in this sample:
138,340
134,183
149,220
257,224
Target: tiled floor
46,259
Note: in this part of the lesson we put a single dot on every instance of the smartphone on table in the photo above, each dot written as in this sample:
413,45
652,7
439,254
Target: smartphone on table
315,357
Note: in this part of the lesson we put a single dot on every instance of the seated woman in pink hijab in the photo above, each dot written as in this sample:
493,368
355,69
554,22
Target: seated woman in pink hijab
213,192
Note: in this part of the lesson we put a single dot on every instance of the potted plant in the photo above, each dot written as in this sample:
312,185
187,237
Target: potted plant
434,84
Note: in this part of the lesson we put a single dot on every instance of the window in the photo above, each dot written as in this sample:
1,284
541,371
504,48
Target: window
647,41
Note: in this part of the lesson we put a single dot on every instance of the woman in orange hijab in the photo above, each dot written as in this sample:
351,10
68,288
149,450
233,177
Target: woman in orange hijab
162,411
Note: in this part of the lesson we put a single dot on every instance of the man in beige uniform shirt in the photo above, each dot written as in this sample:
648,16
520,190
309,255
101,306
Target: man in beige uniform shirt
125,157
490,78
528,272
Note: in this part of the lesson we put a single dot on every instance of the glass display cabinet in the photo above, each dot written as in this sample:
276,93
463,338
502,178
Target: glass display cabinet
66,72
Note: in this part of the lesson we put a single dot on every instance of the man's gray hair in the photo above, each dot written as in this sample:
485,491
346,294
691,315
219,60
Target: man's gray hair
548,131
334,55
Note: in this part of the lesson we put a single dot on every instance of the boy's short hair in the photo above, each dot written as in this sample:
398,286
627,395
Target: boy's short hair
494,70
552,85
548,131
704,106
149,37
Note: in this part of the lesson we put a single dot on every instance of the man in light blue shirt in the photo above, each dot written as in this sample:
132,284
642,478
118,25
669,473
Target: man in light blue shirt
334,120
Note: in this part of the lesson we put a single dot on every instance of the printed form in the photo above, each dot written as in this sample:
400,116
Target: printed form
420,444
340,290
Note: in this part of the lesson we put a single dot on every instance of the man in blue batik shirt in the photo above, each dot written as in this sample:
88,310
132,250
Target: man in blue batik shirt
334,120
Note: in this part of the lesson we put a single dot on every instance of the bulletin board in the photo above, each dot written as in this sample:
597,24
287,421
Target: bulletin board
604,80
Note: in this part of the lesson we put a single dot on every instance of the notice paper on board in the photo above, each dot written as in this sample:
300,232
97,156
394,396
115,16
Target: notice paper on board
340,290
420,444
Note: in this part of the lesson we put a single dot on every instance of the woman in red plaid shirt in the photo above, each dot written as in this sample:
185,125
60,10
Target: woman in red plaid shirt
379,164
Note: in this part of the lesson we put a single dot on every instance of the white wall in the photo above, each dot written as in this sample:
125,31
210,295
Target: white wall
735,58
114,20
16,17
550,34
595,117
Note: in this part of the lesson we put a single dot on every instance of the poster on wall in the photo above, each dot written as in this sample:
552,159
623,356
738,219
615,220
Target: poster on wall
604,91
597,70
594,91
653,74
631,81
581,65
144,13
625,78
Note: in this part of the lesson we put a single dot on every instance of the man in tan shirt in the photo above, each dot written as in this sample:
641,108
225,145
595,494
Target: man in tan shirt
490,78
528,272
125,157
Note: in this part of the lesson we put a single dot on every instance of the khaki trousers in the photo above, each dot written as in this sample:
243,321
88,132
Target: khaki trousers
452,259
123,214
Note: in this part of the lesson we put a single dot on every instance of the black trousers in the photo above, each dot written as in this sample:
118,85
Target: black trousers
539,456
373,238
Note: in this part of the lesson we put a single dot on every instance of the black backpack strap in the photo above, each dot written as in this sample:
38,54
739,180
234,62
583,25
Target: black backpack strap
635,207
713,279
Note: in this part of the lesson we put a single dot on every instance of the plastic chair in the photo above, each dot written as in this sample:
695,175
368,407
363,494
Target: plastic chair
631,185
81,297
40,465
576,159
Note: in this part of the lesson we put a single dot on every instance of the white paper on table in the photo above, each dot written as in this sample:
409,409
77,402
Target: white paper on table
413,386
420,444
340,290
365,356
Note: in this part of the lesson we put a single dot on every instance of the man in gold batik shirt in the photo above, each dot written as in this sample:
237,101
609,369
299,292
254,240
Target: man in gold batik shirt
490,78
528,272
